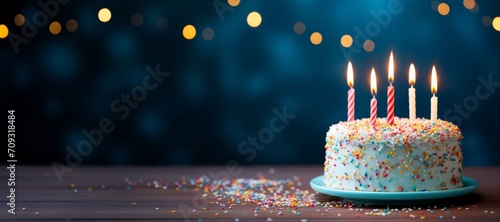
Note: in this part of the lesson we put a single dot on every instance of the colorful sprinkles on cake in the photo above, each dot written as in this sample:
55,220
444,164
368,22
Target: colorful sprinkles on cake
406,156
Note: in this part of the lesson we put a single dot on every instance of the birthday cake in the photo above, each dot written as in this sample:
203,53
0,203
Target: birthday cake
406,156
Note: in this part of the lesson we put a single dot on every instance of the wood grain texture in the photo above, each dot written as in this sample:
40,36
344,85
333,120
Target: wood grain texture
81,196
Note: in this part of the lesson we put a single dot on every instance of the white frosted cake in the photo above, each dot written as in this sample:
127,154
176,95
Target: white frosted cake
407,156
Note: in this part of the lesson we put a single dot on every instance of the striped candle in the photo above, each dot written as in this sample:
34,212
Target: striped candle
350,93
390,105
373,102
350,105
390,93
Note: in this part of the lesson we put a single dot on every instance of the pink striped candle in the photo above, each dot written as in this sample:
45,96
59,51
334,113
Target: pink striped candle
350,93
390,93
373,102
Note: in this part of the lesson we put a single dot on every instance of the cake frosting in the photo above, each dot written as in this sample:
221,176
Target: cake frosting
407,156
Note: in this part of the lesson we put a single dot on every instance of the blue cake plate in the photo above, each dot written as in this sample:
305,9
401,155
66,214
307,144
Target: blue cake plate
384,198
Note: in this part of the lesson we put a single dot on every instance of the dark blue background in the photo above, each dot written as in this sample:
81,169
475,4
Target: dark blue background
221,91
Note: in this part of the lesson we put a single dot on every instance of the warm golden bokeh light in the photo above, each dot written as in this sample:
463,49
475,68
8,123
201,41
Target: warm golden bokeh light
316,38
4,31
55,28
71,25
443,9
233,3
189,32
104,15
19,20
369,45
346,41
254,19
469,4
496,23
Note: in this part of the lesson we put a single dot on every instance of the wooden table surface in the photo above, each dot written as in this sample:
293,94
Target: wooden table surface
101,193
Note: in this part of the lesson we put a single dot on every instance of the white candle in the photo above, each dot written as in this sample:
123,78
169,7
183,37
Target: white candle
411,94
434,99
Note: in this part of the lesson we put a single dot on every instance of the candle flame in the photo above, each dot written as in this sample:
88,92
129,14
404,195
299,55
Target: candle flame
350,75
373,82
434,84
411,79
391,68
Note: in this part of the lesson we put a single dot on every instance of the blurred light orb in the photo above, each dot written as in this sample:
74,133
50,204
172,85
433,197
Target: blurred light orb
316,38
55,28
19,20
4,31
443,9
346,41
496,23
486,20
254,19
104,15
61,62
434,5
137,19
299,28
369,45
208,34
71,25
189,32
161,23
476,8
469,4
233,3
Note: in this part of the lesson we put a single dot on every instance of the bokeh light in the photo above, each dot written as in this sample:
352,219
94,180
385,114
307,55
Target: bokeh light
104,15
71,25
162,23
233,3
189,32
316,38
346,41
4,31
443,9
476,8
487,20
434,5
496,23
299,28
19,20
254,19
55,28
469,4
369,45
208,34
137,19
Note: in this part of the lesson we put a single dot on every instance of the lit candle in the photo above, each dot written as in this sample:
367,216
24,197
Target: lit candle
390,93
434,99
411,93
350,93
373,102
